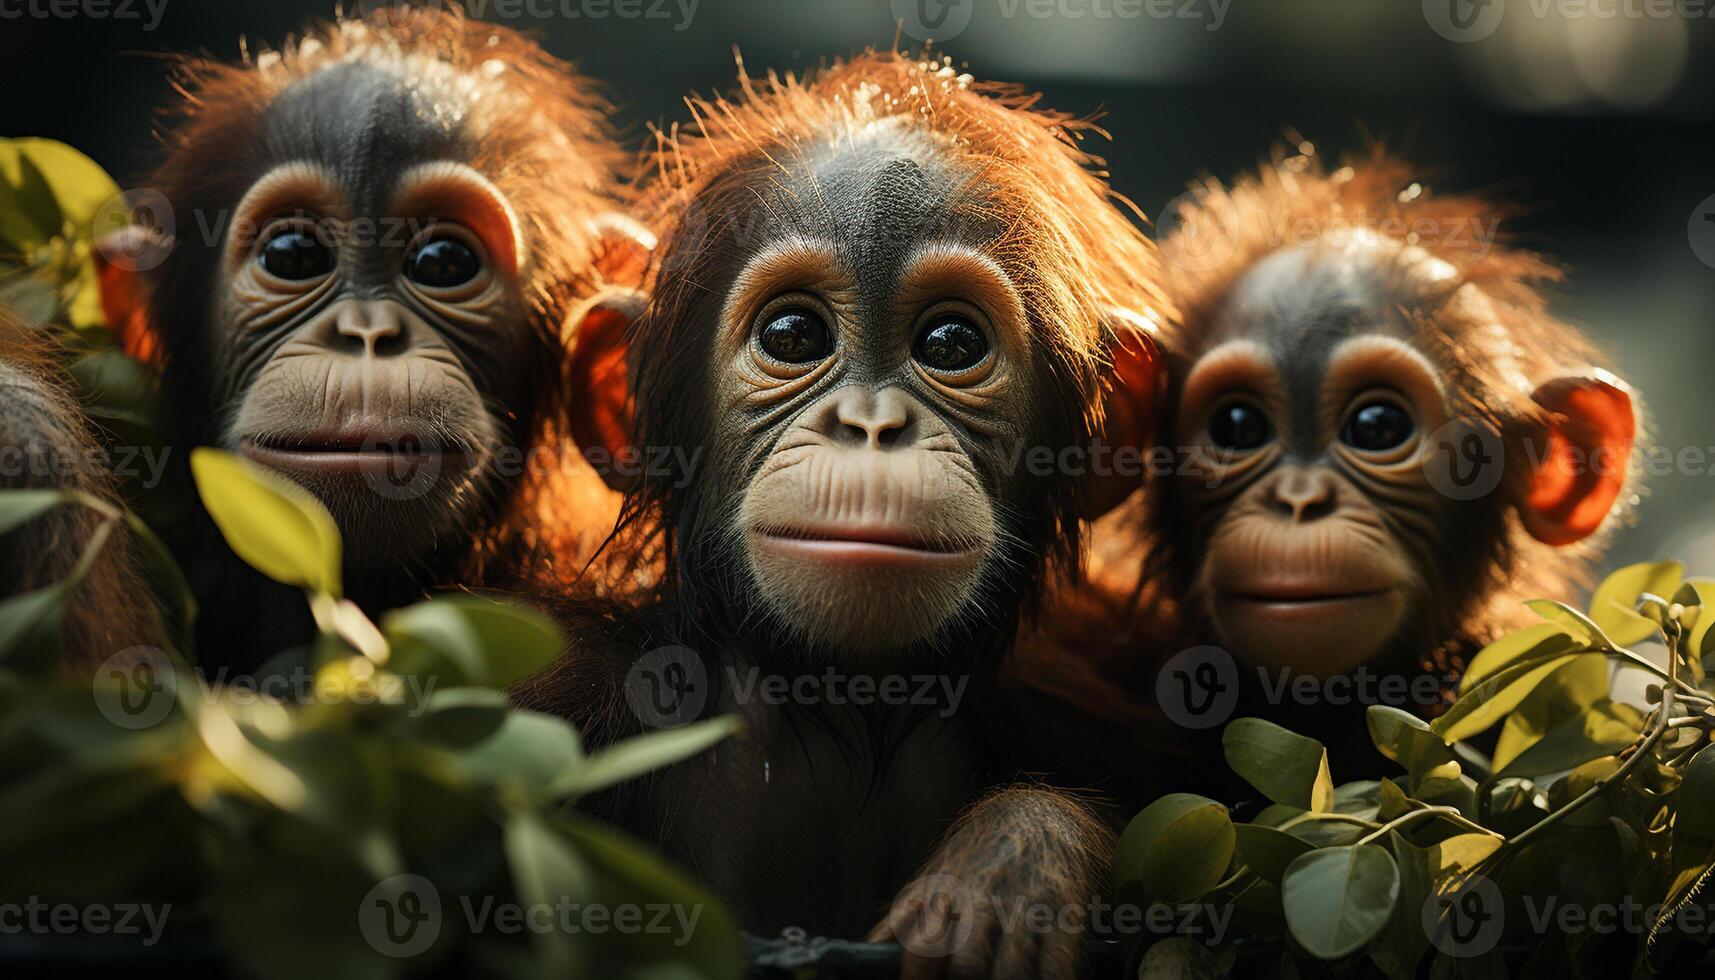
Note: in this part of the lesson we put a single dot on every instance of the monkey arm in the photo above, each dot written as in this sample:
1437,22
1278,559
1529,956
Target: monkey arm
1019,857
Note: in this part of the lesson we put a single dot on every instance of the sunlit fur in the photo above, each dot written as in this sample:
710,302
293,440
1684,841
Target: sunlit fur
1072,254
542,138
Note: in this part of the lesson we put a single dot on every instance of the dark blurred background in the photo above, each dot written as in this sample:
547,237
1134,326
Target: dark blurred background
1594,114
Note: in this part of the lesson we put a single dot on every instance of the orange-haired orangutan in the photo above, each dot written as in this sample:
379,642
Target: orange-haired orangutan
45,444
1385,444
383,230
879,290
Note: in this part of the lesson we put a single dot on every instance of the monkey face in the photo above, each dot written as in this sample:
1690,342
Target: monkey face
372,327
870,383
1310,417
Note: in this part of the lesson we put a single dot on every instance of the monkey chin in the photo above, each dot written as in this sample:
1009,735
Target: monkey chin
866,590
1316,635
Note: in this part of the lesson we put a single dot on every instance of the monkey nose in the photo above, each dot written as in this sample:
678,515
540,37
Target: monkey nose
1304,495
859,416
375,325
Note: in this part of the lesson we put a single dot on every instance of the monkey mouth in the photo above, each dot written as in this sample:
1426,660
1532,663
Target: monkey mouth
342,452
862,545
1310,595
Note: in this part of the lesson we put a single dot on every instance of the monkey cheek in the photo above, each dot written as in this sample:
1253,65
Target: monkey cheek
1319,638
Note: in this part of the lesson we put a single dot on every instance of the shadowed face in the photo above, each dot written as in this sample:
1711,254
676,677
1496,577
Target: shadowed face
870,373
1309,410
372,331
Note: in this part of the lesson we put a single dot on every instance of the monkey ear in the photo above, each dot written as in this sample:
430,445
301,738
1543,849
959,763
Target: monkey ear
121,260
622,249
1132,386
601,397
1579,464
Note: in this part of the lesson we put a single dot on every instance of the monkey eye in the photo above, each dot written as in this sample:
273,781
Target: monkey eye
1378,426
951,343
443,263
296,255
795,336
1239,426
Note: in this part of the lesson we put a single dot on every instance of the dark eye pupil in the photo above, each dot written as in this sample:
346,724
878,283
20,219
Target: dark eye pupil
796,337
442,263
1377,427
952,345
1239,426
296,255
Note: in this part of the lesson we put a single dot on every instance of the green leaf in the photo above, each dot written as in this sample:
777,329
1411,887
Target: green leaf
1694,805
548,871
1567,693
1406,739
630,872
1338,899
1701,640
460,717
18,507
30,628
1177,848
1613,603
1603,729
531,751
1577,625
1268,851
1478,709
642,753
1284,766
468,639
275,525
76,185
1519,646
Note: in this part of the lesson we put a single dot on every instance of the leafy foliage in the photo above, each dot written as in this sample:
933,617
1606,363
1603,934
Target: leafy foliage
1457,865
275,822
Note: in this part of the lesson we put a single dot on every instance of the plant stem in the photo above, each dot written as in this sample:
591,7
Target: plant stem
1451,813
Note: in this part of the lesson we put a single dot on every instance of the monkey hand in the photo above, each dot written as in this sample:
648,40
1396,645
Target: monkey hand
1006,893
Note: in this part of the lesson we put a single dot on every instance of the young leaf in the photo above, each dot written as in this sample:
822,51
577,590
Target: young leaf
1177,848
272,523
1284,766
1579,626
1338,899
1267,851
1567,693
1528,644
641,753
1406,739
1612,606
18,507
1478,709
